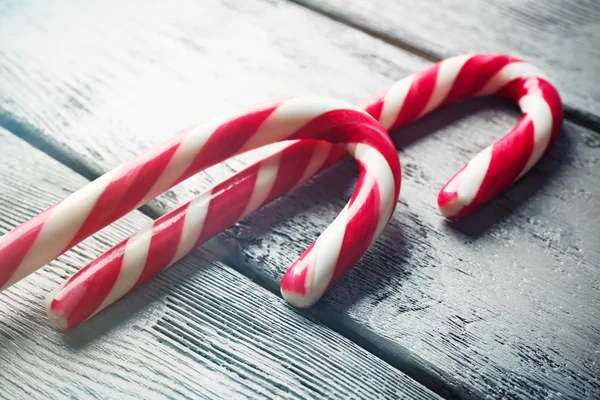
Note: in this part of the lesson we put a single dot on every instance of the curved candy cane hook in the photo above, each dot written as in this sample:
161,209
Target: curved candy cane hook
458,78
490,171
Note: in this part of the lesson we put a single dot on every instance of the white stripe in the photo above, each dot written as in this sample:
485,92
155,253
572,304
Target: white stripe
508,73
134,260
258,155
292,115
451,208
447,73
265,179
473,174
193,225
190,146
379,170
61,226
393,102
326,254
539,111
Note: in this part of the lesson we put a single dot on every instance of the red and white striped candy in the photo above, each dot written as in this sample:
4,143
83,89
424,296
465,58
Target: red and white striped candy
172,236
452,79
457,78
486,175
125,188
366,215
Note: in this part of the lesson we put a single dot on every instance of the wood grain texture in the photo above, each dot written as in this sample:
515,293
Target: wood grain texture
200,330
471,308
98,83
559,36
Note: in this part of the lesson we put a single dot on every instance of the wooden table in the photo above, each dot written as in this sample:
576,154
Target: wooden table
504,304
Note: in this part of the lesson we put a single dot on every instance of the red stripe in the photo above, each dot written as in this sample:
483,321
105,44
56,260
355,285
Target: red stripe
86,290
225,209
374,105
509,157
475,74
16,243
125,192
336,154
292,165
419,94
166,236
228,139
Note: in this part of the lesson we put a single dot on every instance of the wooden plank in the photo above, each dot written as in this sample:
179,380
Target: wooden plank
559,36
129,80
444,302
167,339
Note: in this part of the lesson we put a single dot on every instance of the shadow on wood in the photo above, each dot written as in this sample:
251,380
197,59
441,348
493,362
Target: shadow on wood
142,299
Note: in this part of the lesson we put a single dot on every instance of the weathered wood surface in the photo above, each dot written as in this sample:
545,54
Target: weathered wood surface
199,330
501,304
559,36
119,81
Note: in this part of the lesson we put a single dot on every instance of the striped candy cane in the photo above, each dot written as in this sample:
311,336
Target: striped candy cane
172,236
150,174
453,79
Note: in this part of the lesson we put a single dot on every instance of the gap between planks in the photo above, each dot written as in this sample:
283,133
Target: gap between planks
579,117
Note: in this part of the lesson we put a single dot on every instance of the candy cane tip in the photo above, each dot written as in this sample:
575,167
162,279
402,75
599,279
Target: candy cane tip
56,317
293,286
297,300
449,201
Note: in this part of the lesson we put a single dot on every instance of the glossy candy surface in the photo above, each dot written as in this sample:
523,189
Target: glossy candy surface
148,252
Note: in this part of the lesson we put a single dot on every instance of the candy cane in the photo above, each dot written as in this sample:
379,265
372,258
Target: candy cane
126,187
474,184
453,79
